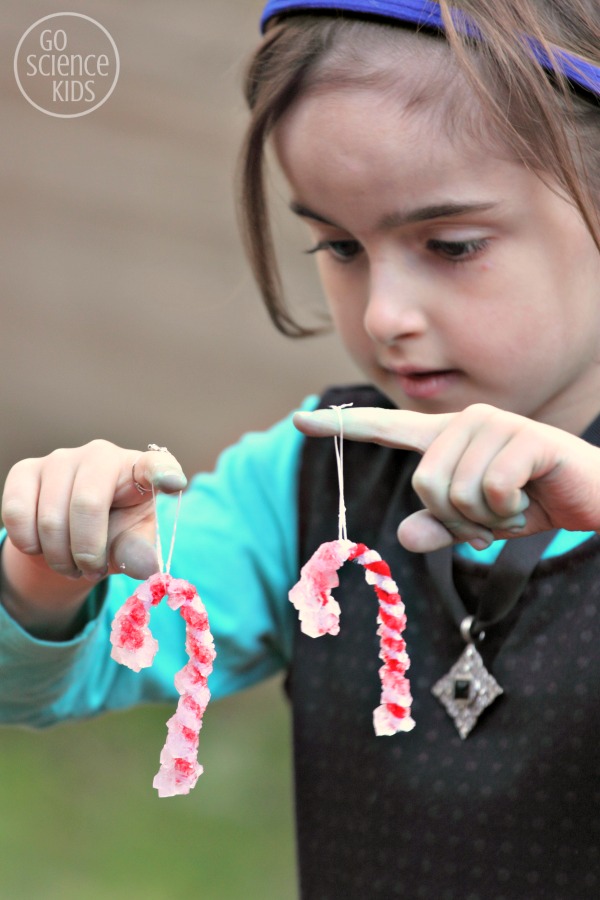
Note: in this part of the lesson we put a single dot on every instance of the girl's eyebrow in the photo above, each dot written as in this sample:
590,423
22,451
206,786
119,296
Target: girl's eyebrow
300,210
393,220
435,211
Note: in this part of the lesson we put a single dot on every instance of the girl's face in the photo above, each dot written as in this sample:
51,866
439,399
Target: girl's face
453,276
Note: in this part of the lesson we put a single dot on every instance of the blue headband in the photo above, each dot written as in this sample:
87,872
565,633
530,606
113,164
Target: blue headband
428,14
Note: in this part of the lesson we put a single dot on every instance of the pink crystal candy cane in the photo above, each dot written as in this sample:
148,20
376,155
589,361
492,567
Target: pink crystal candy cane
319,612
134,646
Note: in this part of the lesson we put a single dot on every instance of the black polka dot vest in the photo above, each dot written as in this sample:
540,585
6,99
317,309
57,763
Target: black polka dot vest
512,811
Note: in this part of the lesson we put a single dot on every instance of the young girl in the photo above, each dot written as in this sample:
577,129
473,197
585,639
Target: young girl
447,164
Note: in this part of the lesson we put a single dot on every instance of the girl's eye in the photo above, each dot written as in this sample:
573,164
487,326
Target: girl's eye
457,251
343,251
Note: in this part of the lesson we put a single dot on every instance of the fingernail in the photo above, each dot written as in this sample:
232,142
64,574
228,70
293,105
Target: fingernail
480,543
95,577
169,479
515,524
72,576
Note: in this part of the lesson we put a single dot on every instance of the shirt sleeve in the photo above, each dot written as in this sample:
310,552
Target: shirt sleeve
236,541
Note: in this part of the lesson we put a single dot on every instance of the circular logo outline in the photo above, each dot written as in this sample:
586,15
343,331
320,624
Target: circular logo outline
85,112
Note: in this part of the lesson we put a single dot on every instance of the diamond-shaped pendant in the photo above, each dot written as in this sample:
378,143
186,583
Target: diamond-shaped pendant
466,690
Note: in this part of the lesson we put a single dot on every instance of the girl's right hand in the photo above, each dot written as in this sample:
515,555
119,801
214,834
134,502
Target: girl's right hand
72,518
485,473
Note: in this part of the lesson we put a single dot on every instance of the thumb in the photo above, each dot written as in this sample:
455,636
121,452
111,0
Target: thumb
422,533
133,552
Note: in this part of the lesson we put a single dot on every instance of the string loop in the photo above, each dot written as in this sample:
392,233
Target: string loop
165,569
339,456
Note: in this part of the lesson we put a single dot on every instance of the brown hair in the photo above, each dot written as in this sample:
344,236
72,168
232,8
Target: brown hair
553,129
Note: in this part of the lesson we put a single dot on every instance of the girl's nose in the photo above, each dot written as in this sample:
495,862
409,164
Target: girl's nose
394,309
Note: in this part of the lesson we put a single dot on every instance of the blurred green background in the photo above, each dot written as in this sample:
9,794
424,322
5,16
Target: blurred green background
80,819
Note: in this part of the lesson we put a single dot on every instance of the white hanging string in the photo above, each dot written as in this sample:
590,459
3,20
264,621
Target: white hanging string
172,547
339,456
165,569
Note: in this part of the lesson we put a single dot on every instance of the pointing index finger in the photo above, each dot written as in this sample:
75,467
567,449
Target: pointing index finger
402,429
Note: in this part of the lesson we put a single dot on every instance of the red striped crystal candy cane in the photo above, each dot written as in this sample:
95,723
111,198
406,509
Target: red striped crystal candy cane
319,614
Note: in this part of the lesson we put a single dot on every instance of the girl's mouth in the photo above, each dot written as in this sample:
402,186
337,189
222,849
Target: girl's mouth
422,384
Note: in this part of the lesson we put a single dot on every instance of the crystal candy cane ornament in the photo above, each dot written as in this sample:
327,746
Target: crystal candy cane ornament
319,612
134,646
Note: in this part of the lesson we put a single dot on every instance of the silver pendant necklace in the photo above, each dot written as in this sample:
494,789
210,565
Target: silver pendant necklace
468,688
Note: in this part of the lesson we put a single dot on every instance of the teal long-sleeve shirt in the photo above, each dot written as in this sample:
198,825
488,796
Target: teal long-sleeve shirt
236,542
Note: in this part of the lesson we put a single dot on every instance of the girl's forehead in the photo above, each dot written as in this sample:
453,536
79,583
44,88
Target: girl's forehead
417,71
415,84
349,157
407,75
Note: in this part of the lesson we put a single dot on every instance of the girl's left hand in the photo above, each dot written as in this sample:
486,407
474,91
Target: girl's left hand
485,473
